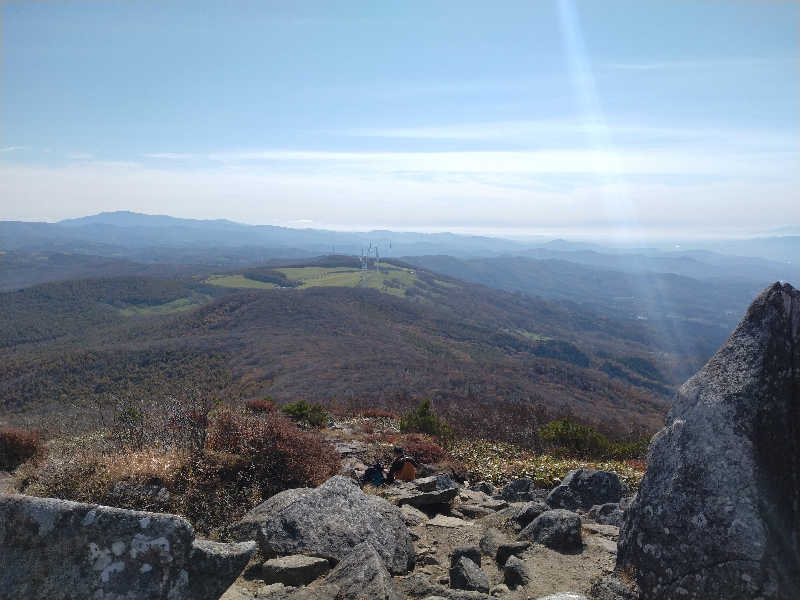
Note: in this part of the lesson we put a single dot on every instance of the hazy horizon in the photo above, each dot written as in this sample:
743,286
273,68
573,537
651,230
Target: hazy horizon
641,120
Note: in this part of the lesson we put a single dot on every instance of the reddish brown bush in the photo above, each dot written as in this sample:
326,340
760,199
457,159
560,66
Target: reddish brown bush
279,454
17,446
422,447
378,413
261,405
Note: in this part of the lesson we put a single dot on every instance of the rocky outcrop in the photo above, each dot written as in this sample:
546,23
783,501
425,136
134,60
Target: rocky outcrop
557,529
331,520
584,488
718,512
57,549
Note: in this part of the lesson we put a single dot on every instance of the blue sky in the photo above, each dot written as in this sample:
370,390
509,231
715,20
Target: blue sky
416,115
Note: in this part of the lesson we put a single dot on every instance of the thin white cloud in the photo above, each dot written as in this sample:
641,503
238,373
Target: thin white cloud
12,148
691,64
598,162
572,131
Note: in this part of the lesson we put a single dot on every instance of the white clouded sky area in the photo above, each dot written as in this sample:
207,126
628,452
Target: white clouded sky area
460,115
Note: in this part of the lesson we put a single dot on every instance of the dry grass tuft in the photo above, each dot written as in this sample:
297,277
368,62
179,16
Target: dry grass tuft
245,459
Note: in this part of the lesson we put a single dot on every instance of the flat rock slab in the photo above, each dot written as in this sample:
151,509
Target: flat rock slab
295,570
436,489
472,511
445,521
63,550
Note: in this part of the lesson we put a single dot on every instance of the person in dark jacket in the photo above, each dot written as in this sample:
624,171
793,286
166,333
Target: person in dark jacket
374,475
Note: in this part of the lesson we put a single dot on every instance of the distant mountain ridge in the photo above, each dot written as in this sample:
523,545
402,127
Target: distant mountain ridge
123,232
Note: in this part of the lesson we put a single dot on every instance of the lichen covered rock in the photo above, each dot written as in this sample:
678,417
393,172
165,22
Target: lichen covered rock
718,511
63,550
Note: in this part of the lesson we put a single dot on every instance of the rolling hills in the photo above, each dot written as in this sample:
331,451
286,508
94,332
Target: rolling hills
483,355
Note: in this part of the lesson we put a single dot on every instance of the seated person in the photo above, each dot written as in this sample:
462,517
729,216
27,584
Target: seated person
403,468
374,475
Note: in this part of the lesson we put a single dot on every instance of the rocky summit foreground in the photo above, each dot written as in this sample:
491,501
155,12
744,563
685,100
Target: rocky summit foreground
718,512
63,550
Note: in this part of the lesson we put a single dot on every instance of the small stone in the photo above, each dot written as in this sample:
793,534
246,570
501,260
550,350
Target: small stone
483,486
504,551
471,552
515,573
557,529
528,512
466,575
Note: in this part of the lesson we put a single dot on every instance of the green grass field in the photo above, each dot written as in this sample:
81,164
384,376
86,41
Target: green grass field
238,281
389,279
179,305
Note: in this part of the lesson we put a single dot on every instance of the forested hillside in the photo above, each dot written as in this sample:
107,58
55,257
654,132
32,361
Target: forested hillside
73,346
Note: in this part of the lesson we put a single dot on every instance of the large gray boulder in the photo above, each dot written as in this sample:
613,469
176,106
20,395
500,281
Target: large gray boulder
331,520
63,550
718,511
584,488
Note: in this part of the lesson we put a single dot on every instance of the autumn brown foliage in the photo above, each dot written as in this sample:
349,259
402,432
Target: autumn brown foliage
260,405
17,446
424,448
245,458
